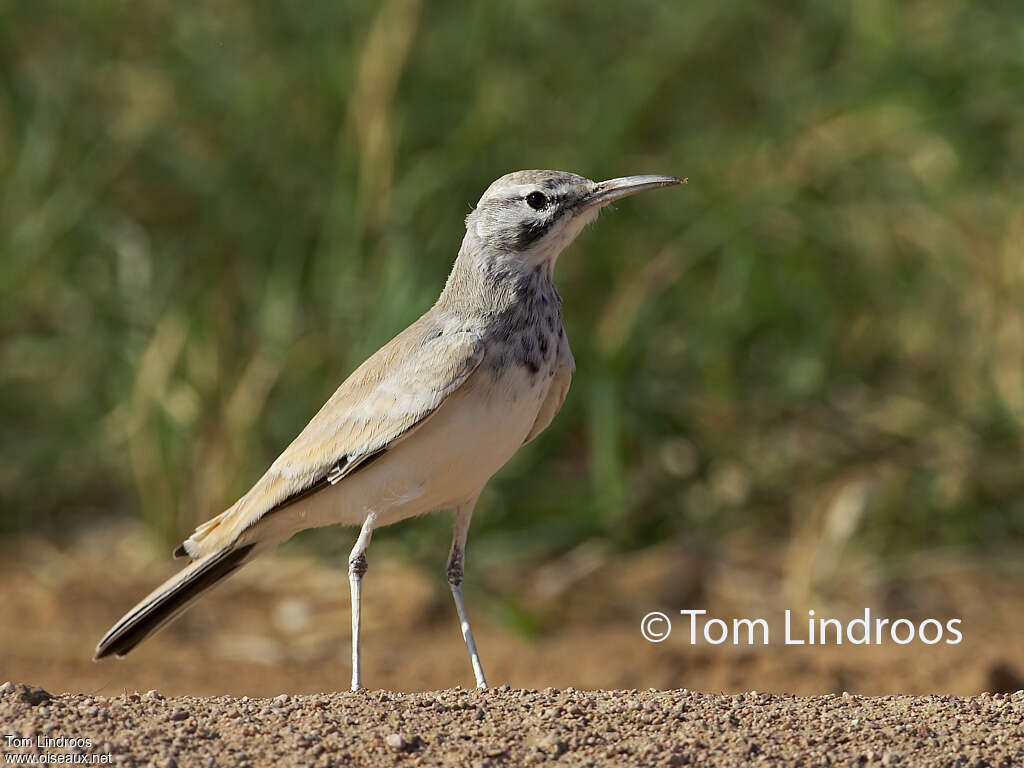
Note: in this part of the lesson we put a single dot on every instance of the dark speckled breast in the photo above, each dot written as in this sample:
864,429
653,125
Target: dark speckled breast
527,332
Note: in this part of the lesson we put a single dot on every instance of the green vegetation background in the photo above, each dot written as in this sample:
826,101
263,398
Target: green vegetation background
210,213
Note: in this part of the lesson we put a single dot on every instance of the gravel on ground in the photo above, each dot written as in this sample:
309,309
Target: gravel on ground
512,727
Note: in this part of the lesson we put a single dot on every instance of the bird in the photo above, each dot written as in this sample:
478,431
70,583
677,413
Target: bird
424,423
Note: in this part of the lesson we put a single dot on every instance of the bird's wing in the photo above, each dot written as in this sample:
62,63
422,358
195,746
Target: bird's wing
383,401
556,394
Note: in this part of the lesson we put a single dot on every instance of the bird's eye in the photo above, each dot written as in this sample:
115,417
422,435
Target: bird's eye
536,200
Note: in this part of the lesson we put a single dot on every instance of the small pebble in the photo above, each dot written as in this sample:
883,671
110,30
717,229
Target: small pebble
552,745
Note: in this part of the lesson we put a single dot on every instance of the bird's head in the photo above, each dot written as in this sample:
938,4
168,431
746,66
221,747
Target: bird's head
527,218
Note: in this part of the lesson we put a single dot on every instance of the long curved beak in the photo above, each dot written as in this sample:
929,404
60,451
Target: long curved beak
607,191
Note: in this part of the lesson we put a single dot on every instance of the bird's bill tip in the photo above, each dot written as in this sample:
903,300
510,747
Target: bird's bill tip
613,189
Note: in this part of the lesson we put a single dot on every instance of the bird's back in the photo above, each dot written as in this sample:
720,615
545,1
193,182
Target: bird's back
496,363
379,404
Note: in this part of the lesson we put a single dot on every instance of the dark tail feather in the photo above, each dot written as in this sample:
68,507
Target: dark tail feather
169,599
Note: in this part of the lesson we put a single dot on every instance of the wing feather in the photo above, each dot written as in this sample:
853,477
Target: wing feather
384,400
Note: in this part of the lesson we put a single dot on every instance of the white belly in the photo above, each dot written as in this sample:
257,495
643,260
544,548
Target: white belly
443,463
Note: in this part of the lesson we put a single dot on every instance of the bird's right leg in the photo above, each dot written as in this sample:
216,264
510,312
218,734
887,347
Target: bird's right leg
357,566
456,564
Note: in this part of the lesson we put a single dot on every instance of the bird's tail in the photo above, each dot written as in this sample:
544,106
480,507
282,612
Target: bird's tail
171,598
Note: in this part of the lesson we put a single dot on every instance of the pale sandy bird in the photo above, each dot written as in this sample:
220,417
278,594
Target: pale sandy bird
427,420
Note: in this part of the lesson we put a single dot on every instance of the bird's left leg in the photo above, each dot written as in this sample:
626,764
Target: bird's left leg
456,562
357,566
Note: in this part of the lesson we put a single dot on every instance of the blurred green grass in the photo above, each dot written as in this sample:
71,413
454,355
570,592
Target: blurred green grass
210,214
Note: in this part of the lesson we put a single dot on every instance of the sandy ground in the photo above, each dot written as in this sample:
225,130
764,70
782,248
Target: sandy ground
519,727
278,632
281,625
